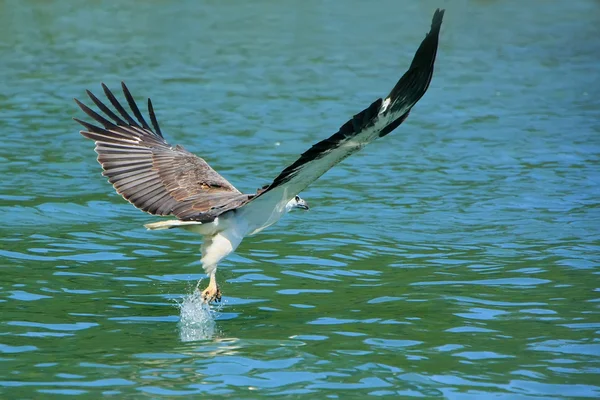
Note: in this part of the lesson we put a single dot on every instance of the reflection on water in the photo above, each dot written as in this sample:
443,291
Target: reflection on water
196,321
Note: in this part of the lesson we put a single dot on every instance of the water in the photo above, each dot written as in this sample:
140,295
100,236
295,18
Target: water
458,257
197,321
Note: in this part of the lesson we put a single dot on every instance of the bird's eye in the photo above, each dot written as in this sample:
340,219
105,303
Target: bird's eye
297,198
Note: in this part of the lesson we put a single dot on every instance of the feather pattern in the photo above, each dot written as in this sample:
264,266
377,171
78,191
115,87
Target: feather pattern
148,172
377,120
168,180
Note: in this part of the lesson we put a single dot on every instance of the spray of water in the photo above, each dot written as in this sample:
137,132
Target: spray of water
196,321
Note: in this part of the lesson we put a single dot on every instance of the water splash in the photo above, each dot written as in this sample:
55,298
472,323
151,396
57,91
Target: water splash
196,321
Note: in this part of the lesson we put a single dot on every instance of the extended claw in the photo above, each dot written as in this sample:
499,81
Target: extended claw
212,294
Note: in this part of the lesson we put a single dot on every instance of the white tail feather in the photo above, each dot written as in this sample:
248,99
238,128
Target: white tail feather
174,223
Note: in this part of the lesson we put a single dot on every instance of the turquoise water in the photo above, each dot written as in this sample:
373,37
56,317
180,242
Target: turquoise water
458,257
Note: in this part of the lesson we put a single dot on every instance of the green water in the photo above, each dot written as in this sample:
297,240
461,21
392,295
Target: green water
458,257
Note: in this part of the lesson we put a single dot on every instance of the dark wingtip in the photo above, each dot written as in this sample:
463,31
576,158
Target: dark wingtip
427,50
79,103
133,106
153,119
415,82
436,21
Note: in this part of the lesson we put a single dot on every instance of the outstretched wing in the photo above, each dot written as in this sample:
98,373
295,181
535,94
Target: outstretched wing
377,120
152,175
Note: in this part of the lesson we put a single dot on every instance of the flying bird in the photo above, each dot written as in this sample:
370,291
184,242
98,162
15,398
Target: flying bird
167,180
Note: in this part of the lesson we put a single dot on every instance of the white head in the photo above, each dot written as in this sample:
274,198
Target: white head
296,202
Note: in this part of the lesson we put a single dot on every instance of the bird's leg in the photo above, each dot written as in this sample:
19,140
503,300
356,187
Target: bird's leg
214,249
212,292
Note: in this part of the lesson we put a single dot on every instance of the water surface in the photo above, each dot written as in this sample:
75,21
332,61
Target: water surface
458,257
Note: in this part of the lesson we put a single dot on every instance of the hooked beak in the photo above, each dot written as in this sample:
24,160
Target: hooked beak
303,206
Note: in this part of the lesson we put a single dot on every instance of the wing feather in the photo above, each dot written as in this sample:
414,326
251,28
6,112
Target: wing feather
134,107
117,105
148,172
153,119
105,109
165,180
377,120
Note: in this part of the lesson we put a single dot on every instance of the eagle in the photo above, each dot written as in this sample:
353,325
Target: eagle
166,180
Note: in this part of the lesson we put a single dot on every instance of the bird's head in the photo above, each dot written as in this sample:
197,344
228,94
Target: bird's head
296,202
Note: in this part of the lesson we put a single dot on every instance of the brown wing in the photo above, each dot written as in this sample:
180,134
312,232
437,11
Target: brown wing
148,172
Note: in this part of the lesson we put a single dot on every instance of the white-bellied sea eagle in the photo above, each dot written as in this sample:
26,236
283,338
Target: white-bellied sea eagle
166,180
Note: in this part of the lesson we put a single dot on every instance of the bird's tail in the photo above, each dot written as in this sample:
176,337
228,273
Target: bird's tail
173,223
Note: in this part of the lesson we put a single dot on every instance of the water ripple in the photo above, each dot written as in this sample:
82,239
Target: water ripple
455,258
